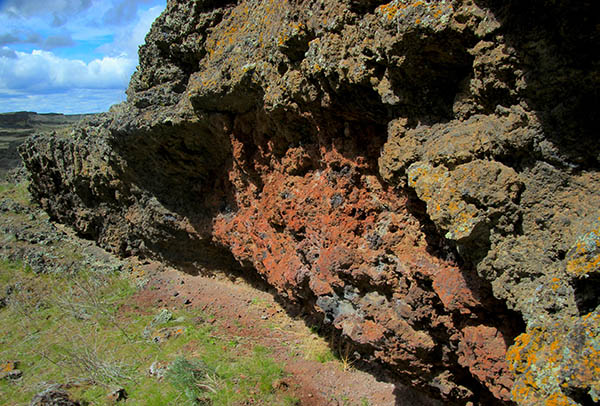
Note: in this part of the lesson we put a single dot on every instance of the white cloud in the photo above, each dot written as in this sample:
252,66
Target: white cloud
42,71
128,39
54,52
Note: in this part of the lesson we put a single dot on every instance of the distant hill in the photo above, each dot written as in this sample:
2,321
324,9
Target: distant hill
26,120
16,127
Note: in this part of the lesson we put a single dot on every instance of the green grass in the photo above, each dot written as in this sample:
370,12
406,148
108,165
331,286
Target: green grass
316,348
18,192
84,328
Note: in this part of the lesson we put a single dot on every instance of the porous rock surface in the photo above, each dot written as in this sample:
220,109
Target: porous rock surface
421,176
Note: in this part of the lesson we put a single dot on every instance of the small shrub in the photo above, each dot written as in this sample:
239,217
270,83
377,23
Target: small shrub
194,379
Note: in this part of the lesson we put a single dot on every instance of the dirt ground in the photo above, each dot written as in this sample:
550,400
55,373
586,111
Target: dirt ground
240,310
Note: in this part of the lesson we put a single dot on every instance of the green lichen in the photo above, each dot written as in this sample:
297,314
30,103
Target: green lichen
552,362
436,187
584,257
420,13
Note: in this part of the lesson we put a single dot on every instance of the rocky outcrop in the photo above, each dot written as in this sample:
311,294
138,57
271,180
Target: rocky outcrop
421,177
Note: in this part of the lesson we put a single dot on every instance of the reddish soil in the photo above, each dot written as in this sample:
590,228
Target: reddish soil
236,309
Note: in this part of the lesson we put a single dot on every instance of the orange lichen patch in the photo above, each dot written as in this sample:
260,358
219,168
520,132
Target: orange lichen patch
288,32
550,362
393,7
435,186
558,399
137,272
428,179
555,283
390,9
584,257
455,198
163,334
414,11
8,366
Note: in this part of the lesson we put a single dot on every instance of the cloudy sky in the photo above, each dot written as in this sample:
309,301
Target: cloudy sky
70,56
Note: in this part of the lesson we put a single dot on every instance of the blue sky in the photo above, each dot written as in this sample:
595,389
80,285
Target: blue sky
70,56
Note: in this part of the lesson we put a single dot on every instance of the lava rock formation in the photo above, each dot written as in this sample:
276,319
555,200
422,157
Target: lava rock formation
420,176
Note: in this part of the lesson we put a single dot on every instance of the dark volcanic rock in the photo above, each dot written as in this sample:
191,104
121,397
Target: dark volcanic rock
422,177
53,396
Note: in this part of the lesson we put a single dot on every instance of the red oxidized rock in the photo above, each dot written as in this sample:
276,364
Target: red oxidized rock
339,236
482,349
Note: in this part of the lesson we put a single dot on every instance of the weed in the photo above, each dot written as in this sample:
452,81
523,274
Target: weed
344,354
161,395
93,361
193,378
317,349
261,303
9,270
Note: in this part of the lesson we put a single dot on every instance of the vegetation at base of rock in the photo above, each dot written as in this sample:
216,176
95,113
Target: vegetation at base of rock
69,295
317,350
192,378
17,192
82,331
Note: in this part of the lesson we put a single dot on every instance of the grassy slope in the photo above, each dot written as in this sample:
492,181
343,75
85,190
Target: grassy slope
83,330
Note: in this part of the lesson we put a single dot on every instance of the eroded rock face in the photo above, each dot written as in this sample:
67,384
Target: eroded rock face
419,176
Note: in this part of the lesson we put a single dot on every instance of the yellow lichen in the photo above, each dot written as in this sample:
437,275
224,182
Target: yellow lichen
558,399
550,361
429,11
584,257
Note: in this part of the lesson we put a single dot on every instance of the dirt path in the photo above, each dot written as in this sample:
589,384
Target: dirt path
239,310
